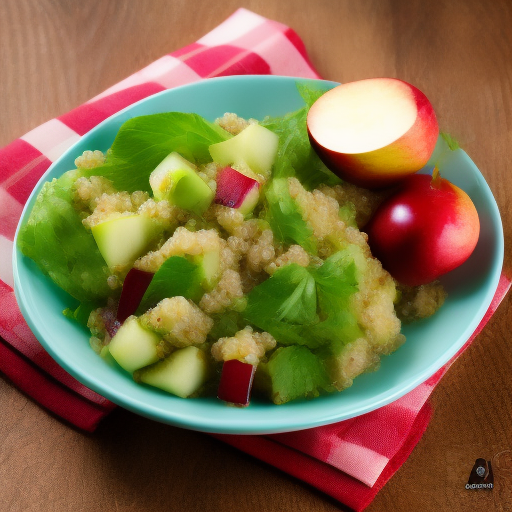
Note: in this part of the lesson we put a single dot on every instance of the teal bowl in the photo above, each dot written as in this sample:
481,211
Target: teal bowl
430,343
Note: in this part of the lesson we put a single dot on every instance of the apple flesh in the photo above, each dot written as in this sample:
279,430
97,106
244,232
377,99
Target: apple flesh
176,180
237,190
135,285
236,382
427,228
373,132
133,346
121,240
255,146
182,373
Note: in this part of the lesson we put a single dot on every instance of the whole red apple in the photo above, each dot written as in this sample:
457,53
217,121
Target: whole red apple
427,228
373,132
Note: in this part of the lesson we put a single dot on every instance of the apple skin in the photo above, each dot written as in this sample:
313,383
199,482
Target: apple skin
236,382
427,228
236,190
135,285
389,164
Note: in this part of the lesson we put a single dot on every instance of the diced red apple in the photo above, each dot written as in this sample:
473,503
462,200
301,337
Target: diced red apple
135,285
236,382
237,190
373,132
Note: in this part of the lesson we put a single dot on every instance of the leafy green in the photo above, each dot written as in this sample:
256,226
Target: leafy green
81,313
450,141
310,307
285,218
336,282
283,304
295,156
55,238
177,276
348,214
226,324
143,142
295,372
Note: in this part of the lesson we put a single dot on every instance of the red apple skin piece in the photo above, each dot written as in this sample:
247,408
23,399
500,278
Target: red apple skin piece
135,285
236,382
424,230
234,189
385,165
110,321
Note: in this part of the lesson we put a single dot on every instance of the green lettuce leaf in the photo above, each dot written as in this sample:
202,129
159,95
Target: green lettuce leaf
336,282
285,217
177,276
294,372
295,156
283,304
143,142
55,238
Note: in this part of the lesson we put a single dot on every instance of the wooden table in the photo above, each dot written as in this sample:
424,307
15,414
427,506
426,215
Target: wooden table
56,54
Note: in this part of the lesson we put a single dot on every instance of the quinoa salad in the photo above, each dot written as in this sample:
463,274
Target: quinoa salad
278,276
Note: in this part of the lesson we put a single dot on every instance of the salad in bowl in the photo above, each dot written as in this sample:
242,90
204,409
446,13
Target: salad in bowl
209,253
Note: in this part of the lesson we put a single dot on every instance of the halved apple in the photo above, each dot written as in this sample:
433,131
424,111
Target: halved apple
373,132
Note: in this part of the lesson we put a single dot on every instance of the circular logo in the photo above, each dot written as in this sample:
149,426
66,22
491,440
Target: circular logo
480,471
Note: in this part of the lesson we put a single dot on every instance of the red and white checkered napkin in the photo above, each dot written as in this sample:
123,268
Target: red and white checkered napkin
350,460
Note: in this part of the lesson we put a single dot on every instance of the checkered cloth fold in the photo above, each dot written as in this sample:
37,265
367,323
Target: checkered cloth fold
350,460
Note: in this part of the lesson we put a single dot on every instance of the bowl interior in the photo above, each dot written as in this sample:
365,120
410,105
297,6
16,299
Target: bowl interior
430,343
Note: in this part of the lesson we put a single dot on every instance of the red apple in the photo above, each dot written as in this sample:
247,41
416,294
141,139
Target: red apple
135,285
236,382
236,190
425,229
373,132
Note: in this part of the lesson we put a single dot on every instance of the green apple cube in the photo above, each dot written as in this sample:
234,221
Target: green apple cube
209,267
176,180
134,347
255,146
181,374
122,240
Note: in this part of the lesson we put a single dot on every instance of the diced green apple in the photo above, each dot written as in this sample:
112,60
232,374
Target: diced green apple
133,346
209,268
181,374
255,146
122,240
176,180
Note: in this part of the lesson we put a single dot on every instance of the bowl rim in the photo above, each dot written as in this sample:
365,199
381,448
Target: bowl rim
216,425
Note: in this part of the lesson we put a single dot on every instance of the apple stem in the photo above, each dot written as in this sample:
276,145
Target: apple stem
436,177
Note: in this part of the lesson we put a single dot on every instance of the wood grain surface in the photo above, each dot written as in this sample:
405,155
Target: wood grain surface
56,54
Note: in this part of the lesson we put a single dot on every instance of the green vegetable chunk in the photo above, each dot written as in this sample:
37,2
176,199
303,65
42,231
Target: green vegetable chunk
283,304
293,372
176,277
55,238
182,373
